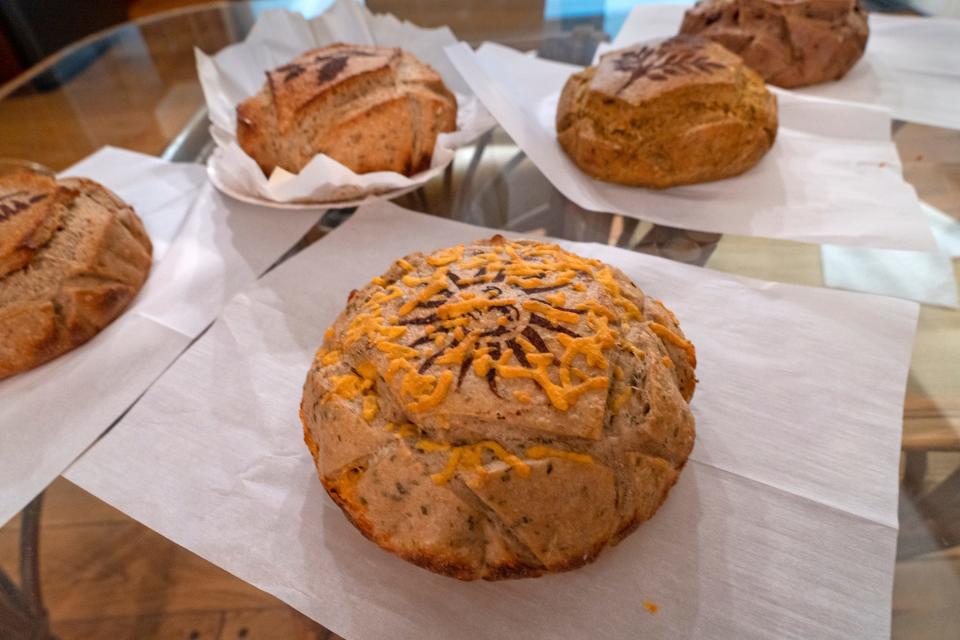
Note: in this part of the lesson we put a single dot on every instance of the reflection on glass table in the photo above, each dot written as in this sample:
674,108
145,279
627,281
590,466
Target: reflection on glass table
135,86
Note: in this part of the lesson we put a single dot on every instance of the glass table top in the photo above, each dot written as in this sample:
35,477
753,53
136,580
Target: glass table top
135,86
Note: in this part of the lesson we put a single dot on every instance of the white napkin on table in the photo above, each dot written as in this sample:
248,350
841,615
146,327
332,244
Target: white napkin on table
237,72
784,522
206,248
911,64
833,174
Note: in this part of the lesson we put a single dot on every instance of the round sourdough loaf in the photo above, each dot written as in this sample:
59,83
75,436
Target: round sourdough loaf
72,256
500,409
791,43
369,108
683,111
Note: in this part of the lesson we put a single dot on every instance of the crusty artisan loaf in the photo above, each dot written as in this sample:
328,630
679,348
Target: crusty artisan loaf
500,409
683,111
791,43
369,108
72,256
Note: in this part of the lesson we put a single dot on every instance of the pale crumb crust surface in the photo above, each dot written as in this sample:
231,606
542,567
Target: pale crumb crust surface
791,43
72,257
500,409
680,112
369,108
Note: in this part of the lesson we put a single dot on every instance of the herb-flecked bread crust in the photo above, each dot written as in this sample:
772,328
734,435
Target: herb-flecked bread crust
680,112
791,43
72,257
500,409
369,108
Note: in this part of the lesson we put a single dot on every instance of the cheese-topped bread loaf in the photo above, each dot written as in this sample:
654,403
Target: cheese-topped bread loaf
500,409
72,256
791,43
369,108
683,111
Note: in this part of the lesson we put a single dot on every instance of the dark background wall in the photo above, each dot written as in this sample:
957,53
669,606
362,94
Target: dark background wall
31,30
9,63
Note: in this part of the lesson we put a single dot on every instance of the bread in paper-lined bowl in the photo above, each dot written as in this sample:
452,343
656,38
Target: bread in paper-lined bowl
368,108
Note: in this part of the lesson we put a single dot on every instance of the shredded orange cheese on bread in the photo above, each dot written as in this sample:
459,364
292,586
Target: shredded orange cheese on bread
673,338
506,311
470,457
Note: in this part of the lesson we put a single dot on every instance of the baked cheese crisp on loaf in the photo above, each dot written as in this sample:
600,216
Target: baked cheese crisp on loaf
500,409
791,43
680,112
369,108
72,256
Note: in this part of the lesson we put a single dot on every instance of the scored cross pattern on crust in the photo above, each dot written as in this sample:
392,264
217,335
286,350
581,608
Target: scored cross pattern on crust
332,65
10,207
661,62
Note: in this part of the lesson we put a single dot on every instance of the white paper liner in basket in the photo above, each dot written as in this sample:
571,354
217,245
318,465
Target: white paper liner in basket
237,72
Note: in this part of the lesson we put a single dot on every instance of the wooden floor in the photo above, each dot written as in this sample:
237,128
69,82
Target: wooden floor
106,576
926,587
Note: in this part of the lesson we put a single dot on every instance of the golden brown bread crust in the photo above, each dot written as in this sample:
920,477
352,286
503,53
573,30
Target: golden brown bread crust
791,43
500,409
369,108
30,210
681,112
76,279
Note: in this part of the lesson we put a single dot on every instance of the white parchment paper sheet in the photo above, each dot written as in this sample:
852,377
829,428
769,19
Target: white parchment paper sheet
782,525
237,72
833,174
910,66
206,249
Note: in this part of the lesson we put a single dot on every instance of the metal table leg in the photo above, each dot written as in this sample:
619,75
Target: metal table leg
22,614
